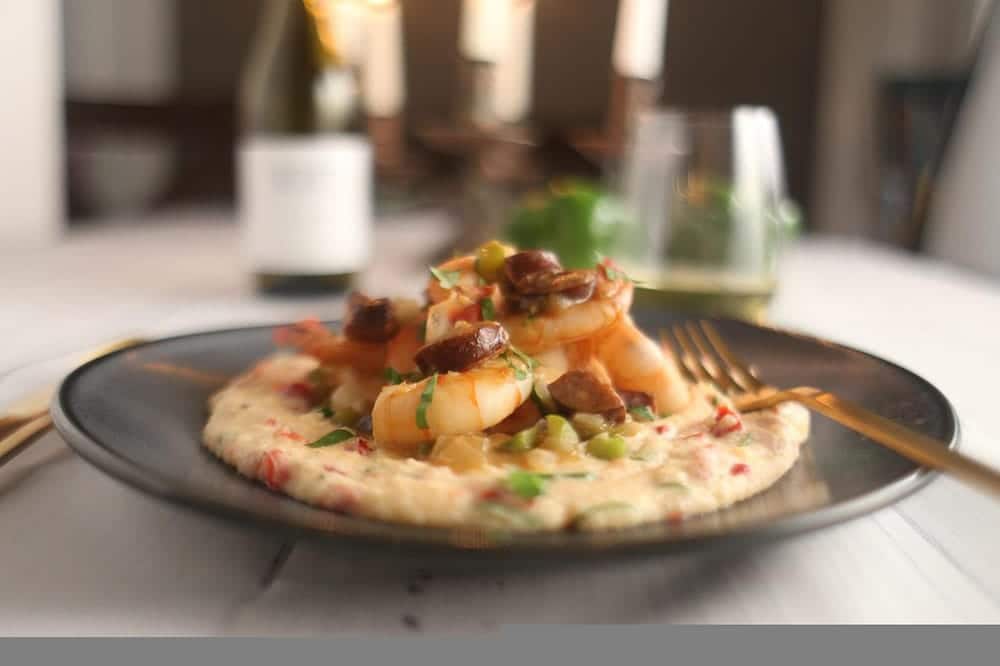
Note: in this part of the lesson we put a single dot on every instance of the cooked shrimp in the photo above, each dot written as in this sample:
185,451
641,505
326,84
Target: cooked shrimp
636,363
461,403
401,349
548,330
313,338
466,279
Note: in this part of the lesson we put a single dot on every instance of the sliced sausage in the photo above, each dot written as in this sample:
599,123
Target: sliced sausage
582,391
466,347
524,268
370,320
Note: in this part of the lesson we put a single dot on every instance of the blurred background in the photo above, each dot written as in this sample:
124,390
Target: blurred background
124,107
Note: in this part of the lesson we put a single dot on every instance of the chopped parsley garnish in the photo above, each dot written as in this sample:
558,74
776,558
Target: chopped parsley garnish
425,400
336,437
745,439
674,485
326,412
392,376
528,361
489,311
447,279
642,413
519,372
526,484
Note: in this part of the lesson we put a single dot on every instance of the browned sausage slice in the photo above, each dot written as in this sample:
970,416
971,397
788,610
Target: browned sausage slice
582,391
370,320
466,347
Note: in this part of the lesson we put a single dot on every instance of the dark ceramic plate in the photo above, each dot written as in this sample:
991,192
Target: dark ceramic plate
137,415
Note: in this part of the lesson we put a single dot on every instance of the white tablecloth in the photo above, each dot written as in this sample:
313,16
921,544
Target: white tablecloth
83,554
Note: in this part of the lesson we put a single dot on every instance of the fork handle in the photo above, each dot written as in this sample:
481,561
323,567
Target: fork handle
18,441
908,443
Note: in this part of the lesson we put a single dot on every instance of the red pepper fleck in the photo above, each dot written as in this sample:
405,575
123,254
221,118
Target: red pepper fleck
726,421
270,421
675,517
301,390
469,313
290,434
739,468
664,428
333,468
272,470
364,447
492,494
694,435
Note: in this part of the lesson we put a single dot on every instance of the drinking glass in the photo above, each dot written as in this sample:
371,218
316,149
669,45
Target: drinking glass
705,194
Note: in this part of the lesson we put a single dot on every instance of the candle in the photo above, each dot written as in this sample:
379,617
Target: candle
639,36
382,72
512,81
481,38
349,29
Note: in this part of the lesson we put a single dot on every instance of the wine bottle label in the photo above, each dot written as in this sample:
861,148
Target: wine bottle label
305,203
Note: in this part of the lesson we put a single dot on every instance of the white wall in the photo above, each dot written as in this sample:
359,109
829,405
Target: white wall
31,136
965,217
862,39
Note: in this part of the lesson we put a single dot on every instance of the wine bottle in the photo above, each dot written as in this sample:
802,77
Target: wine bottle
304,164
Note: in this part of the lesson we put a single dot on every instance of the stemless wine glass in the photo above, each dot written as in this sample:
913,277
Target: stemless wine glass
706,195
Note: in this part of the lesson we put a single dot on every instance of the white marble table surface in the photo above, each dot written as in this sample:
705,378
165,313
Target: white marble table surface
83,554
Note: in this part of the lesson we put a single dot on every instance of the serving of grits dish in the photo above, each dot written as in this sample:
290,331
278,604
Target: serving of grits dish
519,395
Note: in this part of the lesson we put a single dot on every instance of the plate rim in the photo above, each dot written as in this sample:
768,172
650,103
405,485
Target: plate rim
528,544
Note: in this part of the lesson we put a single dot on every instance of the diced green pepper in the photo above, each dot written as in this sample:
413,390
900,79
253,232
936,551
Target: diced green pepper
589,425
523,440
607,447
559,434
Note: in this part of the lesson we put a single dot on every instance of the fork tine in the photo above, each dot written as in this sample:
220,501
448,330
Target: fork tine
667,341
748,381
718,370
691,359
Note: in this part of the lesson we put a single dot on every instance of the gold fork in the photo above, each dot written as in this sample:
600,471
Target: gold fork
705,357
29,416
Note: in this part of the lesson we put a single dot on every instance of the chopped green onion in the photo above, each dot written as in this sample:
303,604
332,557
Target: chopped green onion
674,485
746,439
489,311
336,437
392,376
642,413
447,279
526,484
425,400
326,412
